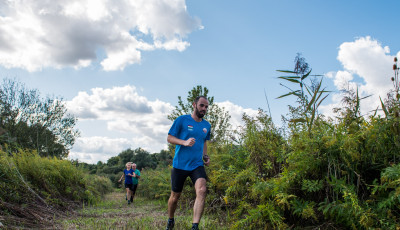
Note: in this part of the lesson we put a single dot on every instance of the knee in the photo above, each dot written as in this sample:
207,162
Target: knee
174,198
201,191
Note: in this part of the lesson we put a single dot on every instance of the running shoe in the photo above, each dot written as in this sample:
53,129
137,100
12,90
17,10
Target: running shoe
170,224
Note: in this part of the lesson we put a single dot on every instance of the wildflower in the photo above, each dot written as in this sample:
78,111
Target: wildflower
395,59
392,78
226,199
394,66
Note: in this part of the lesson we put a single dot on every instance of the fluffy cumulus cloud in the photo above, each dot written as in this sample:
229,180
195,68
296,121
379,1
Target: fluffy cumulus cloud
123,109
236,112
367,65
94,149
74,33
106,104
141,122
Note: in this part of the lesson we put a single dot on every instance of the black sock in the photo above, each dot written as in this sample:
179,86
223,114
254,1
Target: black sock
195,225
171,220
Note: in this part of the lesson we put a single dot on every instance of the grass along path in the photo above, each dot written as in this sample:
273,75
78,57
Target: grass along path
114,213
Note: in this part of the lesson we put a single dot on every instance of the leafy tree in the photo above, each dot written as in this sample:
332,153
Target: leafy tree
218,117
143,159
163,158
30,121
126,156
113,161
139,156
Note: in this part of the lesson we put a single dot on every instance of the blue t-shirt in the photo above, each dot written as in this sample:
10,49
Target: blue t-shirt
185,127
128,179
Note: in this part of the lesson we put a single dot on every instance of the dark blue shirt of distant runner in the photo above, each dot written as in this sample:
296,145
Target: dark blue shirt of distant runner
128,179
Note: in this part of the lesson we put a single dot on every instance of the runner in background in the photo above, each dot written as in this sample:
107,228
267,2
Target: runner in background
128,174
135,180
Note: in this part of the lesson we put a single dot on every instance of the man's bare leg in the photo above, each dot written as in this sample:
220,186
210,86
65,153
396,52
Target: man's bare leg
198,208
173,203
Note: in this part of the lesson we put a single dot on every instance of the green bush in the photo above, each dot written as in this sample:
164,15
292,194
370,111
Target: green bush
155,183
30,182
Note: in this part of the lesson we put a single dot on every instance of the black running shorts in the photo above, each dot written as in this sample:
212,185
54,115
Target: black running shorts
178,177
129,186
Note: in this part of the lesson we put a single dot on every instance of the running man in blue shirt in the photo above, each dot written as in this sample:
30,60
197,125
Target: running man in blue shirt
190,134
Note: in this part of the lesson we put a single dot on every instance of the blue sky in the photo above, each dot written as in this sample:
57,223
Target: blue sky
120,67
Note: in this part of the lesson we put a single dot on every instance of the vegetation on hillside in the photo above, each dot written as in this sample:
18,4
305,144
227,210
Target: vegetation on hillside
312,172
341,173
37,183
35,189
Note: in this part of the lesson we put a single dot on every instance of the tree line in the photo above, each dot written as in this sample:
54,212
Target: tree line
114,166
30,121
37,183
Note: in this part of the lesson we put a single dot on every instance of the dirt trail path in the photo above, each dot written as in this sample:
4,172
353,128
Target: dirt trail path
115,213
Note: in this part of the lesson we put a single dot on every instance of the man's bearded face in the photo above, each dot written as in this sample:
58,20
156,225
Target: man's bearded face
201,108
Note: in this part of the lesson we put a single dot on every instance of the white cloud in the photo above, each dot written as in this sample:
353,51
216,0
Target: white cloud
123,108
69,33
341,79
94,149
370,61
236,113
101,148
113,104
124,111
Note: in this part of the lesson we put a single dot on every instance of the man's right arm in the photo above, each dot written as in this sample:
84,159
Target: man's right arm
176,141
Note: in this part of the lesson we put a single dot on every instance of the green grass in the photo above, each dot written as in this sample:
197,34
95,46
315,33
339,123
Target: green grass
114,213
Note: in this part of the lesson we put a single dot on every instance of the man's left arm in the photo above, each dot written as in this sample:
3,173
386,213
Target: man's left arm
206,158
138,174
